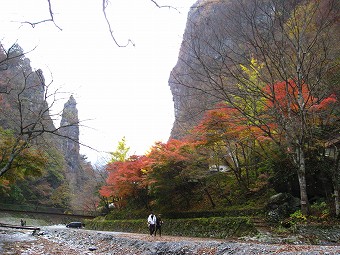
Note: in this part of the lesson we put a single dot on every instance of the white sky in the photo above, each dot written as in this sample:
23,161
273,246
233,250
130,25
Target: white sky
119,91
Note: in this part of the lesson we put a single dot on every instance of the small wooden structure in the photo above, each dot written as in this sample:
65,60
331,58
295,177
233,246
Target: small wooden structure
332,147
35,229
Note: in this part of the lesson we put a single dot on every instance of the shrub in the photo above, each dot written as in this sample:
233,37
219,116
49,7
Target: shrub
320,210
297,218
215,227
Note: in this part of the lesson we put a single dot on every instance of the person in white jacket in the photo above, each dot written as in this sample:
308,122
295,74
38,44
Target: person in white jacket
152,223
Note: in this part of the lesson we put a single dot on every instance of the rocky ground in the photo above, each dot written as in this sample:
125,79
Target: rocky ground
61,240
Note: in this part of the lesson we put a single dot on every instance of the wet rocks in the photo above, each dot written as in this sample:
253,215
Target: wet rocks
60,240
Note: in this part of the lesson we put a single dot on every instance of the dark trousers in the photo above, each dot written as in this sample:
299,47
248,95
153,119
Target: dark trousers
152,229
160,230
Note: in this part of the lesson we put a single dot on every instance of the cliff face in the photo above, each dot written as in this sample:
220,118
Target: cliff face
70,145
70,132
187,77
26,113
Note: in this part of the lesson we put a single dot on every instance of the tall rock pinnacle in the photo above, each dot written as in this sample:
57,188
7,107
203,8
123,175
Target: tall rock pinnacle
70,145
70,128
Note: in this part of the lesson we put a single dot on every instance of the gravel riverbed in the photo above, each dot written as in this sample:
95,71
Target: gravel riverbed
61,240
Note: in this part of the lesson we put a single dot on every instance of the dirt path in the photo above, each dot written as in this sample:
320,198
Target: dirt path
60,240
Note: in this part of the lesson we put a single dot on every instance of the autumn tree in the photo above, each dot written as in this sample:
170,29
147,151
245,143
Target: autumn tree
178,174
30,162
113,189
88,197
121,153
295,45
232,141
126,182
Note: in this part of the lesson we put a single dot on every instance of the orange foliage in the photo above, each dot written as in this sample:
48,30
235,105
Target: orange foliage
125,178
225,123
285,95
325,103
173,150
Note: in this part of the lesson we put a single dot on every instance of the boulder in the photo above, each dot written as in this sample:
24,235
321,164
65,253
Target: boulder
281,206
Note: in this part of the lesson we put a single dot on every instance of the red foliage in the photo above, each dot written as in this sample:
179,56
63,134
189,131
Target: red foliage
173,150
125,178
225,123
325,103
287,94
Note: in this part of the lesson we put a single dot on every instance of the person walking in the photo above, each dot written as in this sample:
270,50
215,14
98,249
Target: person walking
152,223
159,223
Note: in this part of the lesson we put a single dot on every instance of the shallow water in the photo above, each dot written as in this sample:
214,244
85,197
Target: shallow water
11,236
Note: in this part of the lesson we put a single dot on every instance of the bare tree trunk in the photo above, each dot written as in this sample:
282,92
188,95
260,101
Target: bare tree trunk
303,192
206,191
335,180
336,202
302,181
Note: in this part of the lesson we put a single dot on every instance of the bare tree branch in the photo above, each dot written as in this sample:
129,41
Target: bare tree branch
105,4
51,19
164,6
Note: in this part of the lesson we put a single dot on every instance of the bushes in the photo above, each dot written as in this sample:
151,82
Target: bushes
207,214
138,226
127,214
215,227
141,214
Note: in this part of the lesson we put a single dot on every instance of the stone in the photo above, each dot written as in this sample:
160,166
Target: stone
280,206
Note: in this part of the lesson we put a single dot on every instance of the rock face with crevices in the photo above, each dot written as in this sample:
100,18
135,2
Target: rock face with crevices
190,103
70,145
26,112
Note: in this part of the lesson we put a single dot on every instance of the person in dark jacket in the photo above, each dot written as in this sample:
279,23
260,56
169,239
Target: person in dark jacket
159,223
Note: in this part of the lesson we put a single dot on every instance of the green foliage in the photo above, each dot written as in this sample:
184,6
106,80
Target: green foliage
14,195
55,167
214,227
28,161
320,206
127,214
121,152
180,162
252,101
136,226
171,194
319,211
234,211
60,196
230,212
297,218
36,174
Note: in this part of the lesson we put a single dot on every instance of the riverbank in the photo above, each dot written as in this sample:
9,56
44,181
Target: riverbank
61,240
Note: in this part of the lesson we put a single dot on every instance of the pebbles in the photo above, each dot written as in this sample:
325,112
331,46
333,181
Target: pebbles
59,240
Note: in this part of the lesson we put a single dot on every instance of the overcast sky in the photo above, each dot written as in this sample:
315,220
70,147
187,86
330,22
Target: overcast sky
119,91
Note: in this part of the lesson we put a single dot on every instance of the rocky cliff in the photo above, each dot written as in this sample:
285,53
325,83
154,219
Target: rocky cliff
70,143
187,77
25,114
